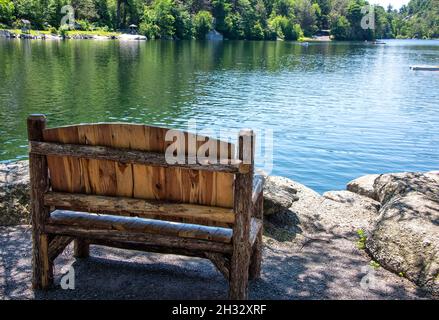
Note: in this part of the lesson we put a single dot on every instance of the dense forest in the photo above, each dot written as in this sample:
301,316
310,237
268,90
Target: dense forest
235,19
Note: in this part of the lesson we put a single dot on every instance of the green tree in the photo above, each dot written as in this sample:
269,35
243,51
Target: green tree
306,14
234,26
183,23
220,9
285,28
6,11
340,30
202,24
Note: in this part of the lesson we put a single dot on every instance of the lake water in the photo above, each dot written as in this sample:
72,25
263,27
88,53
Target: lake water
337,110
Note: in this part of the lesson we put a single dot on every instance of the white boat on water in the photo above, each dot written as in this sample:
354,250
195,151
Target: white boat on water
425,68
131,37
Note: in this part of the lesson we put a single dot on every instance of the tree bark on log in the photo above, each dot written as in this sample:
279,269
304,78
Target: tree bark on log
147,239
256,256
178,212
132,157
221,262
42,269
238,284
81,248
139,246
57,246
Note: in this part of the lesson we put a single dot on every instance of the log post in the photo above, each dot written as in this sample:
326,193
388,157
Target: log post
42,266
239,267
256,255
81,248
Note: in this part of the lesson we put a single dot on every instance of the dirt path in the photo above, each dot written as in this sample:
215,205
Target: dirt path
321,267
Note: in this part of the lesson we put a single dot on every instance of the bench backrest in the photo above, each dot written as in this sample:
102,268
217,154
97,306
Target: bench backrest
113,178
100,175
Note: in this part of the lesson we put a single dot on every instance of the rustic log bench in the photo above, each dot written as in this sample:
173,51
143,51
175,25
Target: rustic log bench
110,184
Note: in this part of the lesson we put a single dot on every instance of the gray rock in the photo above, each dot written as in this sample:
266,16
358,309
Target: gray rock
14,193
337,213
353,199
387,186
364,186
279,194
405,239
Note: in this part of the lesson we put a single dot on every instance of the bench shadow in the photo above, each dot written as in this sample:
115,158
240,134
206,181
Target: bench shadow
287,273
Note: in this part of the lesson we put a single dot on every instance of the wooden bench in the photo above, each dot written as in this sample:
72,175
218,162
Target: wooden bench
110,184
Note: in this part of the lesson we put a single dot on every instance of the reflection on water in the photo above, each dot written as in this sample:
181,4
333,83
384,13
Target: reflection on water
338,110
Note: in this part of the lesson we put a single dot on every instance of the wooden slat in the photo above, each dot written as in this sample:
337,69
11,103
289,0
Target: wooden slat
139,225
132,136
79,175
179,212
148,247
144,238
129,156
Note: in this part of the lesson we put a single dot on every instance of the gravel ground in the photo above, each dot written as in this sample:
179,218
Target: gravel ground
297,266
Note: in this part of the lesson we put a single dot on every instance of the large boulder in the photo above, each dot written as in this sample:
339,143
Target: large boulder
364,186
14,193
405,238
353,200
338,213
387,186
279,194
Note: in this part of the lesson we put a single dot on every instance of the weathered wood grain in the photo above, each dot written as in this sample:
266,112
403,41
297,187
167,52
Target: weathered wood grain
128,156
221,262
178,212
145,238
57,246
238,284
256,239
139,225
39,184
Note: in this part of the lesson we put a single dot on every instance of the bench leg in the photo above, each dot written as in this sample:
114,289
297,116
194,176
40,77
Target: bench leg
42,265
256,258
81,248
238,281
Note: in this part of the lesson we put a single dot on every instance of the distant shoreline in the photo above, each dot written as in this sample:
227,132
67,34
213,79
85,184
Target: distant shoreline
99,35
81,35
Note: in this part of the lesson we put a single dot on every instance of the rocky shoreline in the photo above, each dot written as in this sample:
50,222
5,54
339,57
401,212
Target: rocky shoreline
82,36
396,216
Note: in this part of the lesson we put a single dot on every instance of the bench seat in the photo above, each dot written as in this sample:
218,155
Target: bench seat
94,221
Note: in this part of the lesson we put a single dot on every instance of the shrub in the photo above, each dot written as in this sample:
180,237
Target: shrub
53,30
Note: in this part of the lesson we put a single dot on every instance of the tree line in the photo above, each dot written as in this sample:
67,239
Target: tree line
235,19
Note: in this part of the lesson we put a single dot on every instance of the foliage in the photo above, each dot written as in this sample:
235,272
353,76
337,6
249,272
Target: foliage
341,28
6,11
235,19
362,238
202,24
285,28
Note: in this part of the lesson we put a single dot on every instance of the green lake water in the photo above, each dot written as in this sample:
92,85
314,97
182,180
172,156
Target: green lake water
337,110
